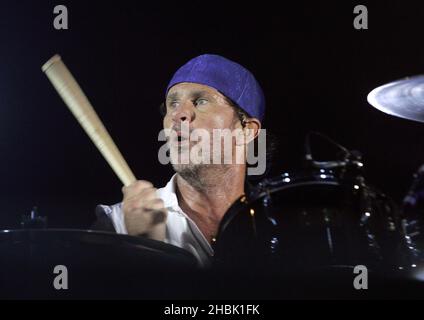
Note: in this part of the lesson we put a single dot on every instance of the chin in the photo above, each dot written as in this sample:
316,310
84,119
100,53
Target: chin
183,169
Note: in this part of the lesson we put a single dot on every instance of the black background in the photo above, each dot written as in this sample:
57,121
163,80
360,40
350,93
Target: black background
315,68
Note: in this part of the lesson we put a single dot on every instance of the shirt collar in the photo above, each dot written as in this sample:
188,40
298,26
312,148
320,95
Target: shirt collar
169,195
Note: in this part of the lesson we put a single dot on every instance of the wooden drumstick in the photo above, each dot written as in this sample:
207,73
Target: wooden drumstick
71,93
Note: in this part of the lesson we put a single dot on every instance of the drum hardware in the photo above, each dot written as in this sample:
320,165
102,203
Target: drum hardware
416,191
322,217
351,159
405,99
33,220
328,231
274,237
413,216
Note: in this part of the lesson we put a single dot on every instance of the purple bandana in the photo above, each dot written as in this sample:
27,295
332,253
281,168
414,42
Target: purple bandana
226,76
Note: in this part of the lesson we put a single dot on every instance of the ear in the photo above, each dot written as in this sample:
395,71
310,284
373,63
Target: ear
252,128
250,131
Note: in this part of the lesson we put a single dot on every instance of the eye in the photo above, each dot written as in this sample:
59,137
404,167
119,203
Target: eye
201,101
173,104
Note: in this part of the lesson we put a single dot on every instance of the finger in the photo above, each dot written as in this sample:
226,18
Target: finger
157,232
144,195
141,199
156,216
148,217
136,188
155,204
149,194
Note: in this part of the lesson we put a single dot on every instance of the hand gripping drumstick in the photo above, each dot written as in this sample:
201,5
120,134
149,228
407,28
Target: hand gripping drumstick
77,102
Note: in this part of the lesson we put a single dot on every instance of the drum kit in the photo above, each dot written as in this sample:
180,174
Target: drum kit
297,235
326,220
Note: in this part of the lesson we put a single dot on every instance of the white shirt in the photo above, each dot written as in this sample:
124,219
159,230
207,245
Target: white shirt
181,231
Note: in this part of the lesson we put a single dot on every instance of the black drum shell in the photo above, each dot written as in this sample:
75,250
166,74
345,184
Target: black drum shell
99,265
312,221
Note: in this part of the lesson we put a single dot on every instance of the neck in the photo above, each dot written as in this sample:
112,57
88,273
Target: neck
206,196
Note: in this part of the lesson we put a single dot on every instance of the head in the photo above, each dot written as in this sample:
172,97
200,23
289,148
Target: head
204,97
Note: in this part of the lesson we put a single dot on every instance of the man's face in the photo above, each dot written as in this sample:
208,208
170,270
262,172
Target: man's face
195,106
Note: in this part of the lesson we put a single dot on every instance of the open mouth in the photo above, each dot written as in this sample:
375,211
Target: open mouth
180,140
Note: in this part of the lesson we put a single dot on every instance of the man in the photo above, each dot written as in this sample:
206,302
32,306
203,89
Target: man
209,93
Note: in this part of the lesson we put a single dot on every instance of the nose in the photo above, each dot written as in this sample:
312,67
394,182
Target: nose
184,112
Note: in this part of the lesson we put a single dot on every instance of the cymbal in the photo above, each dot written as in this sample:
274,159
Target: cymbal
403,98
